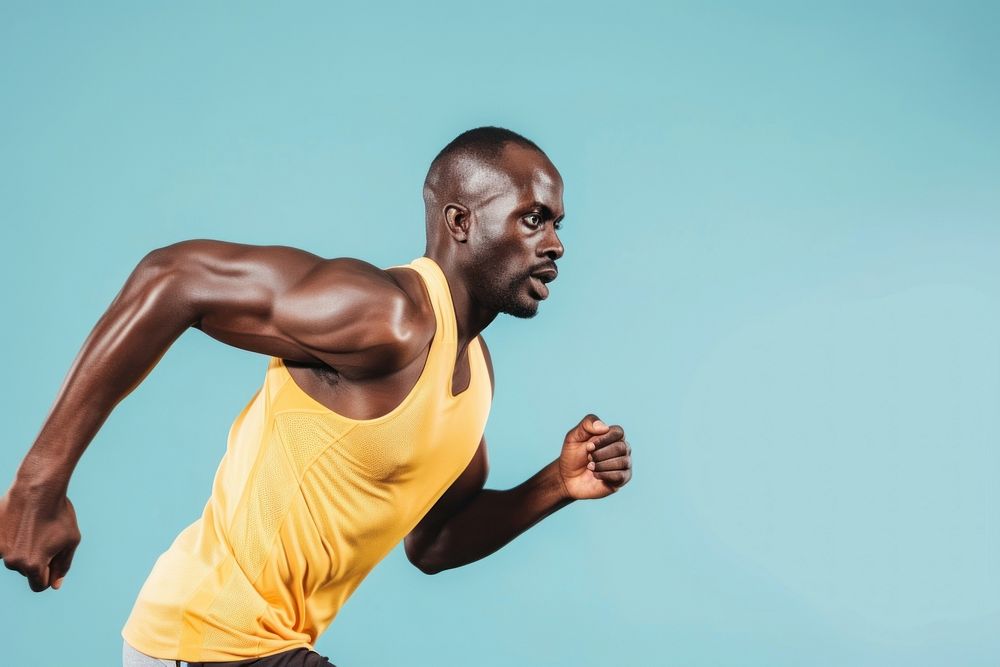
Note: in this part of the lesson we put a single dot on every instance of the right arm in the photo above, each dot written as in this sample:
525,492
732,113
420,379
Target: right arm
274,300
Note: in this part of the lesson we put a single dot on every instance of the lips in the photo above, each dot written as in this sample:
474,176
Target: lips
538,280
540,288
546,275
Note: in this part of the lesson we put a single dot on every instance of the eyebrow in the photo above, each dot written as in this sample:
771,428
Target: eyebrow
548,212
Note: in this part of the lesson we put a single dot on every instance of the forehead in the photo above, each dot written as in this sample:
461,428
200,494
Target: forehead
532,176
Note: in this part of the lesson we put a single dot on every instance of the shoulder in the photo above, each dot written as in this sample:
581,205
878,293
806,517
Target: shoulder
351,304
347,286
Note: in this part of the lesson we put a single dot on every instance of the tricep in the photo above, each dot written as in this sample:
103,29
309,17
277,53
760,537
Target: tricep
286,302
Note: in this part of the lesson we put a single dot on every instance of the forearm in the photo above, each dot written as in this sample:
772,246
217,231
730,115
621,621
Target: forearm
126,343
493,518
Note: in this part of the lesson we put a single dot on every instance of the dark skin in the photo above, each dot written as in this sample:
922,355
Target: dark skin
355,337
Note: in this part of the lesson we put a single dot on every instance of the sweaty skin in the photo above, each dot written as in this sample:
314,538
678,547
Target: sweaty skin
355,337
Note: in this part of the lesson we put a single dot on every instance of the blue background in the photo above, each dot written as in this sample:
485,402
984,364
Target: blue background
782,276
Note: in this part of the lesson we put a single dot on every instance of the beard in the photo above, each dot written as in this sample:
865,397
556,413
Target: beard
502,293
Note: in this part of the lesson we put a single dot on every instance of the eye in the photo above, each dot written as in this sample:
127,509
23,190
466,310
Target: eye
534,220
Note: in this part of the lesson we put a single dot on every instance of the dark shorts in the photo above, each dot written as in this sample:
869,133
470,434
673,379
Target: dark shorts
297,657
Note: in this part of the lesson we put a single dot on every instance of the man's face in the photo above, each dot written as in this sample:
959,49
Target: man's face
514,234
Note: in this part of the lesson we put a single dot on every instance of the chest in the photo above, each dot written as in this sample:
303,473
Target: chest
373,397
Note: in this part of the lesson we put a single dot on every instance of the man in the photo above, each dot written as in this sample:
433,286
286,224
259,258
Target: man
367,429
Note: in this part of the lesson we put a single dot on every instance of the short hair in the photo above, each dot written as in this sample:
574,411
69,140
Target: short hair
484,143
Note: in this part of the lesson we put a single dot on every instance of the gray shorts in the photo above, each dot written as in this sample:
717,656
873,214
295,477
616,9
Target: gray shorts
133,658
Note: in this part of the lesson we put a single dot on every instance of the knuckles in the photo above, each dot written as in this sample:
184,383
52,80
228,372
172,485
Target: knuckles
615,430
619,449
23,565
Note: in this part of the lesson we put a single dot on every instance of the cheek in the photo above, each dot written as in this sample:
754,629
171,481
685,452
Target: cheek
490,243
502,254
499,252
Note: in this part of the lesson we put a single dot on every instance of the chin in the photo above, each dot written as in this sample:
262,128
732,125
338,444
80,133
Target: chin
515,300
523,311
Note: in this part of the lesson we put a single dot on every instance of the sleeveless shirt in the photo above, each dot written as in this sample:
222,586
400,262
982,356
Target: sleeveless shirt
304,504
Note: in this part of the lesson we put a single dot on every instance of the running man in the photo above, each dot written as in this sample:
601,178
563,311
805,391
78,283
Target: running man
367,429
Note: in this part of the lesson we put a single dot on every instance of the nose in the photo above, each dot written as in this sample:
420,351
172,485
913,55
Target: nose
551,246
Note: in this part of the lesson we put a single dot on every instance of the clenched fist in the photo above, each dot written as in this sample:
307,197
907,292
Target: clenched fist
596,460
38,535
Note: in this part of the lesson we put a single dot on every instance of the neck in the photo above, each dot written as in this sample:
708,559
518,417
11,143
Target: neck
470,317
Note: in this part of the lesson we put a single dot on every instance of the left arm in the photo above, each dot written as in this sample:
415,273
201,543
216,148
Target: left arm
470,522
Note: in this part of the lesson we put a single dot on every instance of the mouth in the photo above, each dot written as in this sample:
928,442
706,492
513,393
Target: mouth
546,275
539,278
540,289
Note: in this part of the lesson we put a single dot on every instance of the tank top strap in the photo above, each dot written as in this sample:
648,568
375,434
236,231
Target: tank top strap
444,347
440,296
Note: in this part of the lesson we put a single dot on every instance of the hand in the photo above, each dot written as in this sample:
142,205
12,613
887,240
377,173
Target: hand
38,535
596,460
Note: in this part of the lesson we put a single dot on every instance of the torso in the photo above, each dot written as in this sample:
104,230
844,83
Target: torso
374,397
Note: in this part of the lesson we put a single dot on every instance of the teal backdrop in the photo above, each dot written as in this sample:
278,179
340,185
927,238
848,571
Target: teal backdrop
782,277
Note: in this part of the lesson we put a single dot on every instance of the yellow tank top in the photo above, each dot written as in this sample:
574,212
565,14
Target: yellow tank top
305,503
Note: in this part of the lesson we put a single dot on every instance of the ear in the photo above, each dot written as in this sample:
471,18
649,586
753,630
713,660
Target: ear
456,221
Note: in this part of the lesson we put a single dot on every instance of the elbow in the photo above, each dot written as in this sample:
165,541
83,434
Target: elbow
166,260
161,278
426,568
158,268
423,564
432,567
420,560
